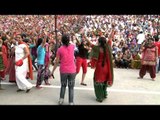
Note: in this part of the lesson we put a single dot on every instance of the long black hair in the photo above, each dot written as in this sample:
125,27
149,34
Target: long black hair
102,43
39,41
65,39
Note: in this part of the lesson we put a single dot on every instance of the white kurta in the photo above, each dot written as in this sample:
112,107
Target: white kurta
21,71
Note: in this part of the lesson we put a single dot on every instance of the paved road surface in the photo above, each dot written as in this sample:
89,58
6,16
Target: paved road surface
126,90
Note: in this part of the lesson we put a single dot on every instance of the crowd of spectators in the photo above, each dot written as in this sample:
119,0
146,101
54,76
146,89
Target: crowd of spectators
130,31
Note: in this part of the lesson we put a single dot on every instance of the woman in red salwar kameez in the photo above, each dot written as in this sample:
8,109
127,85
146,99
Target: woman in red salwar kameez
103,75
11,65
149,59
10,70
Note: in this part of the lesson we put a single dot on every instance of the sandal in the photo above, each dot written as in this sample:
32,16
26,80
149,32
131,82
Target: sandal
99,100
38,87
27,91
19,90
84,84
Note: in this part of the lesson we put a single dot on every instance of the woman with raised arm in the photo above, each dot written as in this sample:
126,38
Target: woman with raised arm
102,62
81,58
41,60
149,59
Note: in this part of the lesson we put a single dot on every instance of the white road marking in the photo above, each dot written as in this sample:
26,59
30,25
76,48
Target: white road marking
134,91
91,89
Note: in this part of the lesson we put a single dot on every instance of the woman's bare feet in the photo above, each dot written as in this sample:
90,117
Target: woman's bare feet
153,79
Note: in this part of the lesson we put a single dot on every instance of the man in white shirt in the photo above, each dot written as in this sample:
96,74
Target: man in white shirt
140,38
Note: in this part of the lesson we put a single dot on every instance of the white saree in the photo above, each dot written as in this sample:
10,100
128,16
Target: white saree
21,71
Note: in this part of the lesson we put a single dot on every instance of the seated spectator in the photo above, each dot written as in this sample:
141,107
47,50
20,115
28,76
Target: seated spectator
114,50
136,62
118,59
133,48
126,59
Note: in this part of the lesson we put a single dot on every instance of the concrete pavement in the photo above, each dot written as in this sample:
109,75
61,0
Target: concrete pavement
126,90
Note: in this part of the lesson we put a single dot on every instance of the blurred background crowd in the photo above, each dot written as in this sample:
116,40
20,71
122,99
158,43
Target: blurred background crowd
130,31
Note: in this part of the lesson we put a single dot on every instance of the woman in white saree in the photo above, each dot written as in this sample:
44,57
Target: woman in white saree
21,55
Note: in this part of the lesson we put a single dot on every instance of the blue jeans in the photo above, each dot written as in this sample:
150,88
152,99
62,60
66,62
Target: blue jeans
70,79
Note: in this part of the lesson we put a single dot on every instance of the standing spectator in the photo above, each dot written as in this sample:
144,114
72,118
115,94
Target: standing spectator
65,55
140,38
